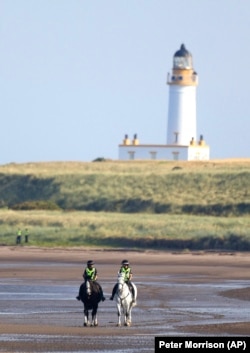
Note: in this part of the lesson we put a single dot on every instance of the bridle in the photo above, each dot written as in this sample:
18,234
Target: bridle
118,291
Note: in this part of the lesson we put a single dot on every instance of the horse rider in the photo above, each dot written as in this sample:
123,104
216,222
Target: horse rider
126,270
90,274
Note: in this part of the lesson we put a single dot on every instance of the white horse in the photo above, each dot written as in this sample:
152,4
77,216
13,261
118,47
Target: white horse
124,300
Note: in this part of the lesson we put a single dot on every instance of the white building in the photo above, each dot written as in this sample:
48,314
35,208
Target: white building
181,131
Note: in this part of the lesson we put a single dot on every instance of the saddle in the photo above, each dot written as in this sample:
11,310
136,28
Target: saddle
95,286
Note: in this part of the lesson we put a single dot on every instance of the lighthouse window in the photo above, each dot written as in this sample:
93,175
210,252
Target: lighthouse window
175,156
131,155
153,155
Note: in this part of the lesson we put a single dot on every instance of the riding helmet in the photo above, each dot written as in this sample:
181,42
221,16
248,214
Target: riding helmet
90,263
125,262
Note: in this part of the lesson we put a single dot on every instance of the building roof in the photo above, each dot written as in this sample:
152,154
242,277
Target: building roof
183,52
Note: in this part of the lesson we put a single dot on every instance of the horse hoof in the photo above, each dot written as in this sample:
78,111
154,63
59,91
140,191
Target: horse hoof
94,324
85,325
118,325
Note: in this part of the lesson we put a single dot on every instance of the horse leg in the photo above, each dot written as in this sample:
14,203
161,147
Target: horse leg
94,317
86,317
119,314
128,317
135,293
127,313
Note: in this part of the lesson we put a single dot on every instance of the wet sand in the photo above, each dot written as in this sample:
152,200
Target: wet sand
186,294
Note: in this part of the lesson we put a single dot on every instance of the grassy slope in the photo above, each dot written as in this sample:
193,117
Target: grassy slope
130,186
173,183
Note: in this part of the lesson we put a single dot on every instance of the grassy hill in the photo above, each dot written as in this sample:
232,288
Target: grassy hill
156,204
212,188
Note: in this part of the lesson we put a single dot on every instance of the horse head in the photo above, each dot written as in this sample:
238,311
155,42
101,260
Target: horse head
88,288
121,278
120,282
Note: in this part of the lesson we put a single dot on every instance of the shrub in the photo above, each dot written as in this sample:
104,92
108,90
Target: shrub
36,205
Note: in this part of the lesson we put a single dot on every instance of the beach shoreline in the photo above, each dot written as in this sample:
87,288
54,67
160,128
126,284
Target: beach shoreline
65,265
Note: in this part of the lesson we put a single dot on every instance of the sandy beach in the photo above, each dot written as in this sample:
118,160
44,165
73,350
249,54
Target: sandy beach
190,294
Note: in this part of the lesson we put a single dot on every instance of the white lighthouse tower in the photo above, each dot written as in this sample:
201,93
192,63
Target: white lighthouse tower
182,99
181,132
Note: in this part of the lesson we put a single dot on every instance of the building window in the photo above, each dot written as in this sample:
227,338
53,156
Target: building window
176,136
131,155
180,78
175,156
152,155
197,156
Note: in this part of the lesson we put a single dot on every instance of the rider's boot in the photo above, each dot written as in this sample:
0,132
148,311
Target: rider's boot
113,293
102,295
133,296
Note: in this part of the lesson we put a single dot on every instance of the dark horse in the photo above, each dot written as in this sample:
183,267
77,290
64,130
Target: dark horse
90,294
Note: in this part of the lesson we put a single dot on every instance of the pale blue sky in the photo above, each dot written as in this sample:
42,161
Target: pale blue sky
77,75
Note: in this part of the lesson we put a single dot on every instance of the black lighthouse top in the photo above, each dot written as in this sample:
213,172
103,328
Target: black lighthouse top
183,59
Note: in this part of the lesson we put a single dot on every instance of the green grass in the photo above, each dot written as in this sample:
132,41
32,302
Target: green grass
212,188
102,229
156,204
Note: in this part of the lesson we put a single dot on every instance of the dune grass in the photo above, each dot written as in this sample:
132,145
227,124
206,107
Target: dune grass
60,228
156,204
217,188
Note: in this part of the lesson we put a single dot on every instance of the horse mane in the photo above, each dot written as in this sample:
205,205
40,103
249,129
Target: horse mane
121,275
95,290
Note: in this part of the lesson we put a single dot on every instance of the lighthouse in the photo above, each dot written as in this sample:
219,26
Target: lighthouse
182,99
182,143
